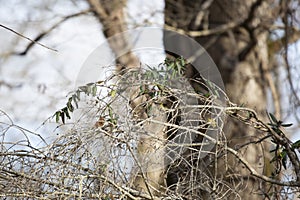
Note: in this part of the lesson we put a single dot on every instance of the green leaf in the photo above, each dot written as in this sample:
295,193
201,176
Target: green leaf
112,119
296,144
83,89
277,130
141,90
62,116
110,112
90,84
286,125
170,66
173,74
94,90
57,114
65,110
77,95
182,61
89,90
75,100
273,118
178,66
70,106
207,95
284,158
272,125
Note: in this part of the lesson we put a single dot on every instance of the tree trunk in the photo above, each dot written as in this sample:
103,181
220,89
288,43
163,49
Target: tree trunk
241,54
111,15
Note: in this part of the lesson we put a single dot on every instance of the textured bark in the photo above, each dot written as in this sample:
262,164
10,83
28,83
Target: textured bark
241,54
110,13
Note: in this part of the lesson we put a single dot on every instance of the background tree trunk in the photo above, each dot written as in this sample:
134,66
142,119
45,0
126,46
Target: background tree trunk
111,15
241,54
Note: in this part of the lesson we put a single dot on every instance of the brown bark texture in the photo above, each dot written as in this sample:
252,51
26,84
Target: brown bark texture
241,54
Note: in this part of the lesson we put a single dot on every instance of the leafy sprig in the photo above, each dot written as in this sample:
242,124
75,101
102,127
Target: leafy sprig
63,113
170,68
281,151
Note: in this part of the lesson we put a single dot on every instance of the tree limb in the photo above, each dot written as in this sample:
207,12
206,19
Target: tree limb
46,32
27,38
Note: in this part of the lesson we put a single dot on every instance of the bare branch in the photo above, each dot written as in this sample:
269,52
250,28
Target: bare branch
27,38
258,175
220,29
46,32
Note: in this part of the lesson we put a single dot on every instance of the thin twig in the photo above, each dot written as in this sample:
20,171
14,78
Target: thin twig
217,30
258,175
44,33
27,38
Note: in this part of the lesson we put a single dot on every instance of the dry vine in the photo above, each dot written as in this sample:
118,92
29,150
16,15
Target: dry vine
95,157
